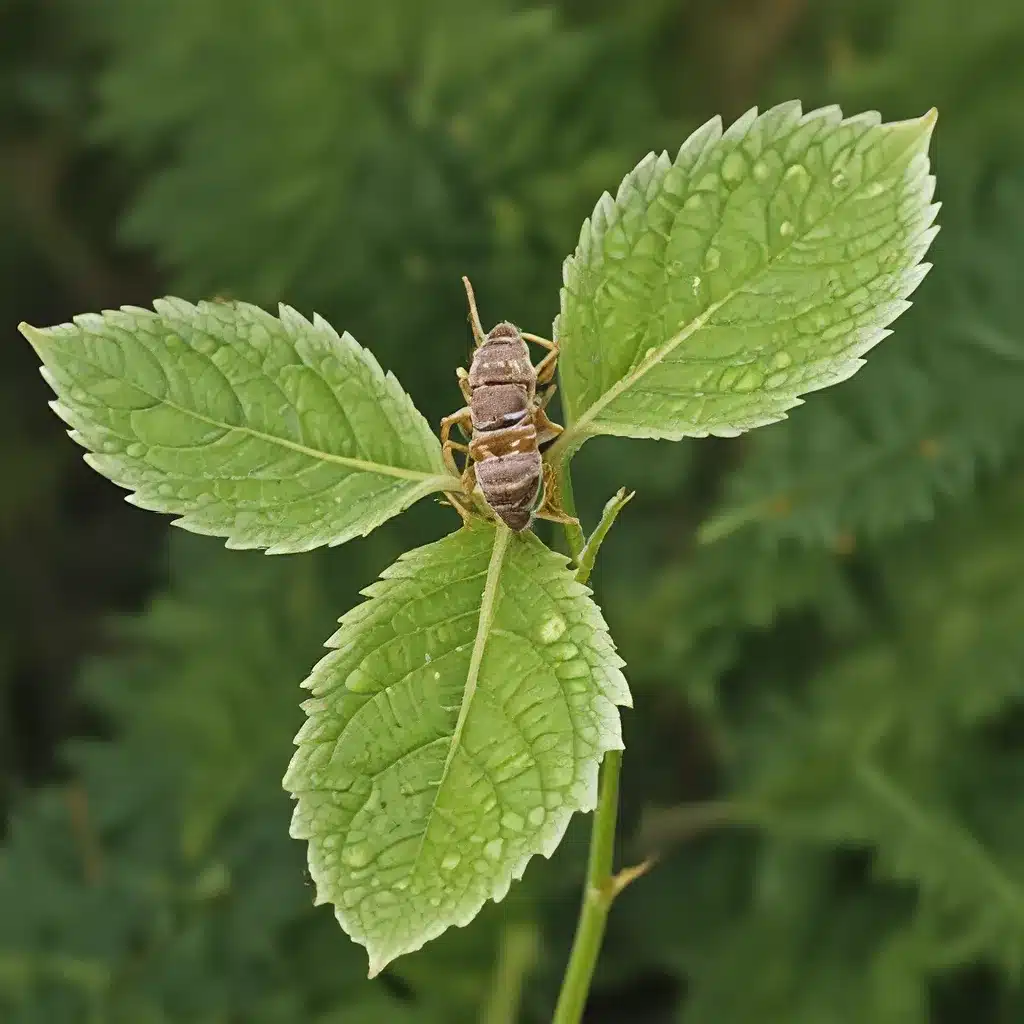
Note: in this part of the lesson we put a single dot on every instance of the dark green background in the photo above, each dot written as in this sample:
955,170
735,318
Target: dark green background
828,741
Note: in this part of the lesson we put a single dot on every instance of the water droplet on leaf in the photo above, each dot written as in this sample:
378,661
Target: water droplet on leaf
512,821
734,167
552,629
575,669
356,855
563,651
750,380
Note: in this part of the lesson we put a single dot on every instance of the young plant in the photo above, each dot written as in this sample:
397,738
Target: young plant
465,707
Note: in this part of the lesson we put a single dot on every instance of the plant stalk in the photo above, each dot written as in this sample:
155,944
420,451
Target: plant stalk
599,892
601,885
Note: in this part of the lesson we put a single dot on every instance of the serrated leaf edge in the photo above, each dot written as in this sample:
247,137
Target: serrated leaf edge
429,483
37,337
579,429
613,689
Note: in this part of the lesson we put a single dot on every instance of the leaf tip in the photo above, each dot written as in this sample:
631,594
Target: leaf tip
377,964
33,335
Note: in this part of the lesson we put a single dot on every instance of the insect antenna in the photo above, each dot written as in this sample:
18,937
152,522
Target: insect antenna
474,316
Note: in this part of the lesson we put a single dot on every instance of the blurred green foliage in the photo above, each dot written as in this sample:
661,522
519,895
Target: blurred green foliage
828,746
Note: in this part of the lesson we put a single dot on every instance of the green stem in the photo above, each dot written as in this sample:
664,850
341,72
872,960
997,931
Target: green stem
600,889
574,535
598,894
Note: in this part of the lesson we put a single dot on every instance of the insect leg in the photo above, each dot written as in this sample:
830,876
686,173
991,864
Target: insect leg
463,378
461,417
546,430
549,508
538,340
474,316
546,367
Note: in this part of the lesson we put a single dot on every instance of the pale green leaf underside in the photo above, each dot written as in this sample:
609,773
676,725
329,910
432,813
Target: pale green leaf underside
451,735
272,432
758,265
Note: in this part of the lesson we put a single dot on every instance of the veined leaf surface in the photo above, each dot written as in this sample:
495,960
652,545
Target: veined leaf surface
452,732
272,432
758,265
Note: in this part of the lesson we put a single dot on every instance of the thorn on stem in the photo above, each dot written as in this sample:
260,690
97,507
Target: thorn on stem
627,876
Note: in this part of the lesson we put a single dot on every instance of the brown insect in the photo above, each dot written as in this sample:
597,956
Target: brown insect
505,420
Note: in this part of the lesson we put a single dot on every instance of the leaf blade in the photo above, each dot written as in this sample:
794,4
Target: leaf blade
416,814
274,432
688,304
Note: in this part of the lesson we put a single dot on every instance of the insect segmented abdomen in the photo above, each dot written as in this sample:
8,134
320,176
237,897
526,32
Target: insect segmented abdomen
511,485
503,385
496,406
507,424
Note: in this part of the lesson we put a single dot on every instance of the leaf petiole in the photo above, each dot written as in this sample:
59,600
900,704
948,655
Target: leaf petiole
616,503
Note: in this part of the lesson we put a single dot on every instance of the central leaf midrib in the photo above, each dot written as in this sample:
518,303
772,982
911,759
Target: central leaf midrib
381,469
576,430
488,606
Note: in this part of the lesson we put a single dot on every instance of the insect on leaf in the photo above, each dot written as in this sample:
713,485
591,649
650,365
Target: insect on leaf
758,265
272,432
452,732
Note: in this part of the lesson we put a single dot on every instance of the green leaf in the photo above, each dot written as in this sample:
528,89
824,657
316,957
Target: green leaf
760,264
273,433
452,733
920,426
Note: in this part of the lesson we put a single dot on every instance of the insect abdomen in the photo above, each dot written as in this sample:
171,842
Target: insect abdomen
511,484
497,406
502,384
